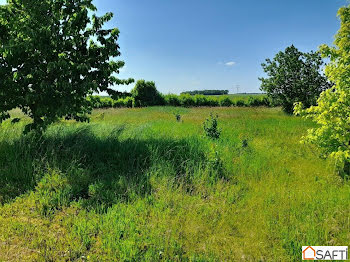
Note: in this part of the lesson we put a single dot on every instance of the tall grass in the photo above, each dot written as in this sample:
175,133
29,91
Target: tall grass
138,185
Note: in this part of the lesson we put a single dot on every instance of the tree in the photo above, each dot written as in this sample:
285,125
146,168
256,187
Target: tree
145,93
53,54
294,76
332,113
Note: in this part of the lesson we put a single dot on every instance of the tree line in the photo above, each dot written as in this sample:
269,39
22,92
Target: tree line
207,92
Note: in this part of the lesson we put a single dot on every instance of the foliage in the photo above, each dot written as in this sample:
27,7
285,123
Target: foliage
145,93
172,100
211,128
108,102
293,77
53,54
207,92
186,101
225,101
332,113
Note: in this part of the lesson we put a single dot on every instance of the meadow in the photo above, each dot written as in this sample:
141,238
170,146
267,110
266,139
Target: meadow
135,184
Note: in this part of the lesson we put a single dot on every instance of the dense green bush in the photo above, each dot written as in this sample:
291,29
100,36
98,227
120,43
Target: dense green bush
210,127
240,102
187,100
172,100
225,101
201,100
145,93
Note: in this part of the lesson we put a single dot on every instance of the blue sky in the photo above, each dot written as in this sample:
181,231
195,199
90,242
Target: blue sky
214,44
206,44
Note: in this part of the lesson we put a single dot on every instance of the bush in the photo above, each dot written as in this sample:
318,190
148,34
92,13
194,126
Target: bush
172,100
240,103
201,100
106,102
266,101
210,127
184,100
254,101
119,103
187,100
225,101
146,94
129,102
213,102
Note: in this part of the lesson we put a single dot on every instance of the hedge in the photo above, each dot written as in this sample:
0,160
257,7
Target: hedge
185,100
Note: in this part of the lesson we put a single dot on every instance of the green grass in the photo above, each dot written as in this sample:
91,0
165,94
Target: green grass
136,185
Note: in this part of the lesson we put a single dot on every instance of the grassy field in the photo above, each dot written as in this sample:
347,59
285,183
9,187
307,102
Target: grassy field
136,185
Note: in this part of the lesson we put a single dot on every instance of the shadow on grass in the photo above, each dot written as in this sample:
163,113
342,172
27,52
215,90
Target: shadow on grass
97,170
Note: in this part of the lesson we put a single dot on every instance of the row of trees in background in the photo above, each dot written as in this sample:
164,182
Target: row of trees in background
146,94
207,92
184,100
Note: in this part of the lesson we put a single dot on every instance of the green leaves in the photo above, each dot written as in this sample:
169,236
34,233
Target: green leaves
53,54
332,113
293,77
145,93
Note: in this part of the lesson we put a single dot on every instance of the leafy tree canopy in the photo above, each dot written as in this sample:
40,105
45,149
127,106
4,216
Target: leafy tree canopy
294,76
53,54
332,113
145,93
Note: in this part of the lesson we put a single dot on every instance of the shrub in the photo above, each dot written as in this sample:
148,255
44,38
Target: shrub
106,102
119,103
145,93
254,101
129,102
187,100
201,100
266,101
240,103
210,127
225,101
213,102
95,101
172,100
